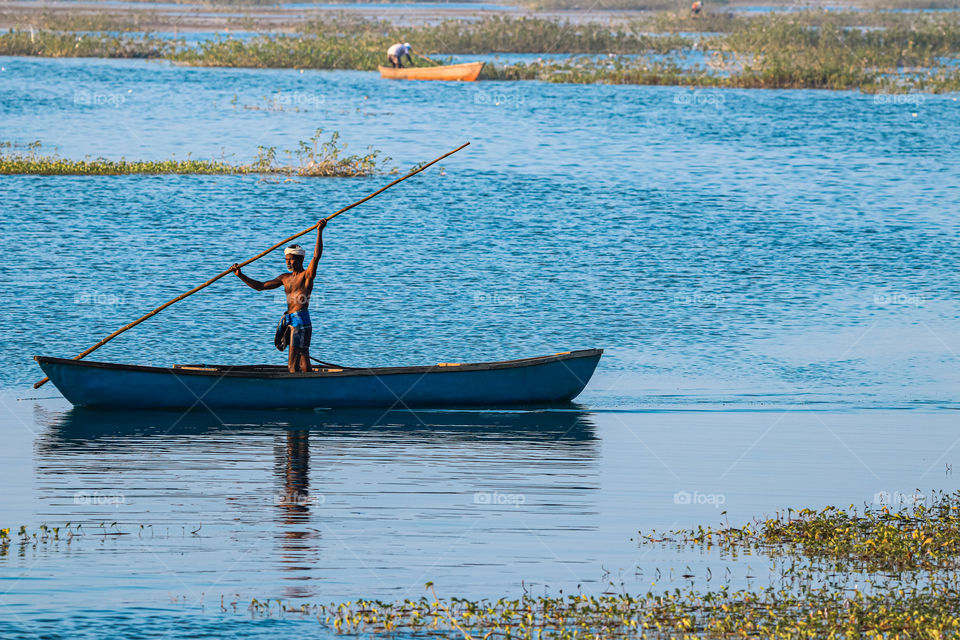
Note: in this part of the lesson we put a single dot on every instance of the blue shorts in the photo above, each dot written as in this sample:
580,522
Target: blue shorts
303,330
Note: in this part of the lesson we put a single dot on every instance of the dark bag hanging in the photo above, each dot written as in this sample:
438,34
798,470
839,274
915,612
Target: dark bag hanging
282,337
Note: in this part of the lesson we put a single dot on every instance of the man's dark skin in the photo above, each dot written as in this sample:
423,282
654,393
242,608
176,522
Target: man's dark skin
298,285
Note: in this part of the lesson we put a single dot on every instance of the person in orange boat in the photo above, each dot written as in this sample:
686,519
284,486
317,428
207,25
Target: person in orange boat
396,53
294,329
696,8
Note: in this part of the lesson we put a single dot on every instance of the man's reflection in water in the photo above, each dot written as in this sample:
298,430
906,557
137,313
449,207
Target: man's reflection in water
298,556
550,457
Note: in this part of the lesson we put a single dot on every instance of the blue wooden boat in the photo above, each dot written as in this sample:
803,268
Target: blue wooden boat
544,380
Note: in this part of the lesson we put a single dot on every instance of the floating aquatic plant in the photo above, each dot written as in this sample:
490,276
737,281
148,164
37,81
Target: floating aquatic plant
917,534
312,158
809,602
48,537
922,611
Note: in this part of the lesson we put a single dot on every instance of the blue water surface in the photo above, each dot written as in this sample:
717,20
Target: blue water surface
772,274
730,242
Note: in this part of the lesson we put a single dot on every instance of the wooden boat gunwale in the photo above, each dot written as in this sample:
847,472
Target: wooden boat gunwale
471,70
269,372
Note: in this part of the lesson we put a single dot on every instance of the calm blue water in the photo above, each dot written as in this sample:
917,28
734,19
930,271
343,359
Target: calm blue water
719,243
773,275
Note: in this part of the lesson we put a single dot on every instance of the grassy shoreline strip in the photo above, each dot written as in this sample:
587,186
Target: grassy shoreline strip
806,50
314,158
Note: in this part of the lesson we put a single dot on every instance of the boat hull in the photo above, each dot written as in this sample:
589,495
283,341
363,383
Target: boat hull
533,382
466,72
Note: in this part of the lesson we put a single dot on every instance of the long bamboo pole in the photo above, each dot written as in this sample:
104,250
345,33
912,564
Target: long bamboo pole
113,335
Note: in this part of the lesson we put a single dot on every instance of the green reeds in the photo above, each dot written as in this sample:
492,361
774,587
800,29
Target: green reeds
803,50
54,44
286,52
80,21
311,158
500,35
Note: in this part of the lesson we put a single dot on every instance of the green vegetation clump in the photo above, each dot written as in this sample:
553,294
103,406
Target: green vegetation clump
728,22
311,158
499,34
32,162
821,612
671,5
319,159
45,536
609,70
915,536
349,43
286,52
784,52
594,5
80,21
871,52
889,574
55,44
794,51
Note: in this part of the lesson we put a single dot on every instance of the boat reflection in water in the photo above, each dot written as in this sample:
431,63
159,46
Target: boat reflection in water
333,472
80,427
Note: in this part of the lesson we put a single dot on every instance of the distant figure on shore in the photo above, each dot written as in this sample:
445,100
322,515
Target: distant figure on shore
696,8
295,328
396,53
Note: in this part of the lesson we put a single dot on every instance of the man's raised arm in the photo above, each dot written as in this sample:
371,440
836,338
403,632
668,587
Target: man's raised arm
317,251
256,284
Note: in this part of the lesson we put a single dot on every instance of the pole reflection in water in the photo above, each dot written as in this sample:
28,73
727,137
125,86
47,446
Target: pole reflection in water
321,504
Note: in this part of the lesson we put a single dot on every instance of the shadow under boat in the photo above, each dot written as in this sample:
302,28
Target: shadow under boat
79,426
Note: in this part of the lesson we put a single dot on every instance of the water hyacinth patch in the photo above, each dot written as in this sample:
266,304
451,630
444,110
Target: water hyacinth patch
724,613
804,600
921,535
46,536
313,158
915,548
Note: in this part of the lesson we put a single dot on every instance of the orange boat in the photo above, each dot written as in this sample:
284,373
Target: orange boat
466,72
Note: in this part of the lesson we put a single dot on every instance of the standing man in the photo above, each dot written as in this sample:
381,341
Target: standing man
295,328
396,53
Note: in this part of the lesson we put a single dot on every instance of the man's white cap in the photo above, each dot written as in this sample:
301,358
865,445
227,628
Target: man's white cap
294,250
407,45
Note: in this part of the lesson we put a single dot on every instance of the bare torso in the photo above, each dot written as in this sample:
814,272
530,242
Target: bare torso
297,286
